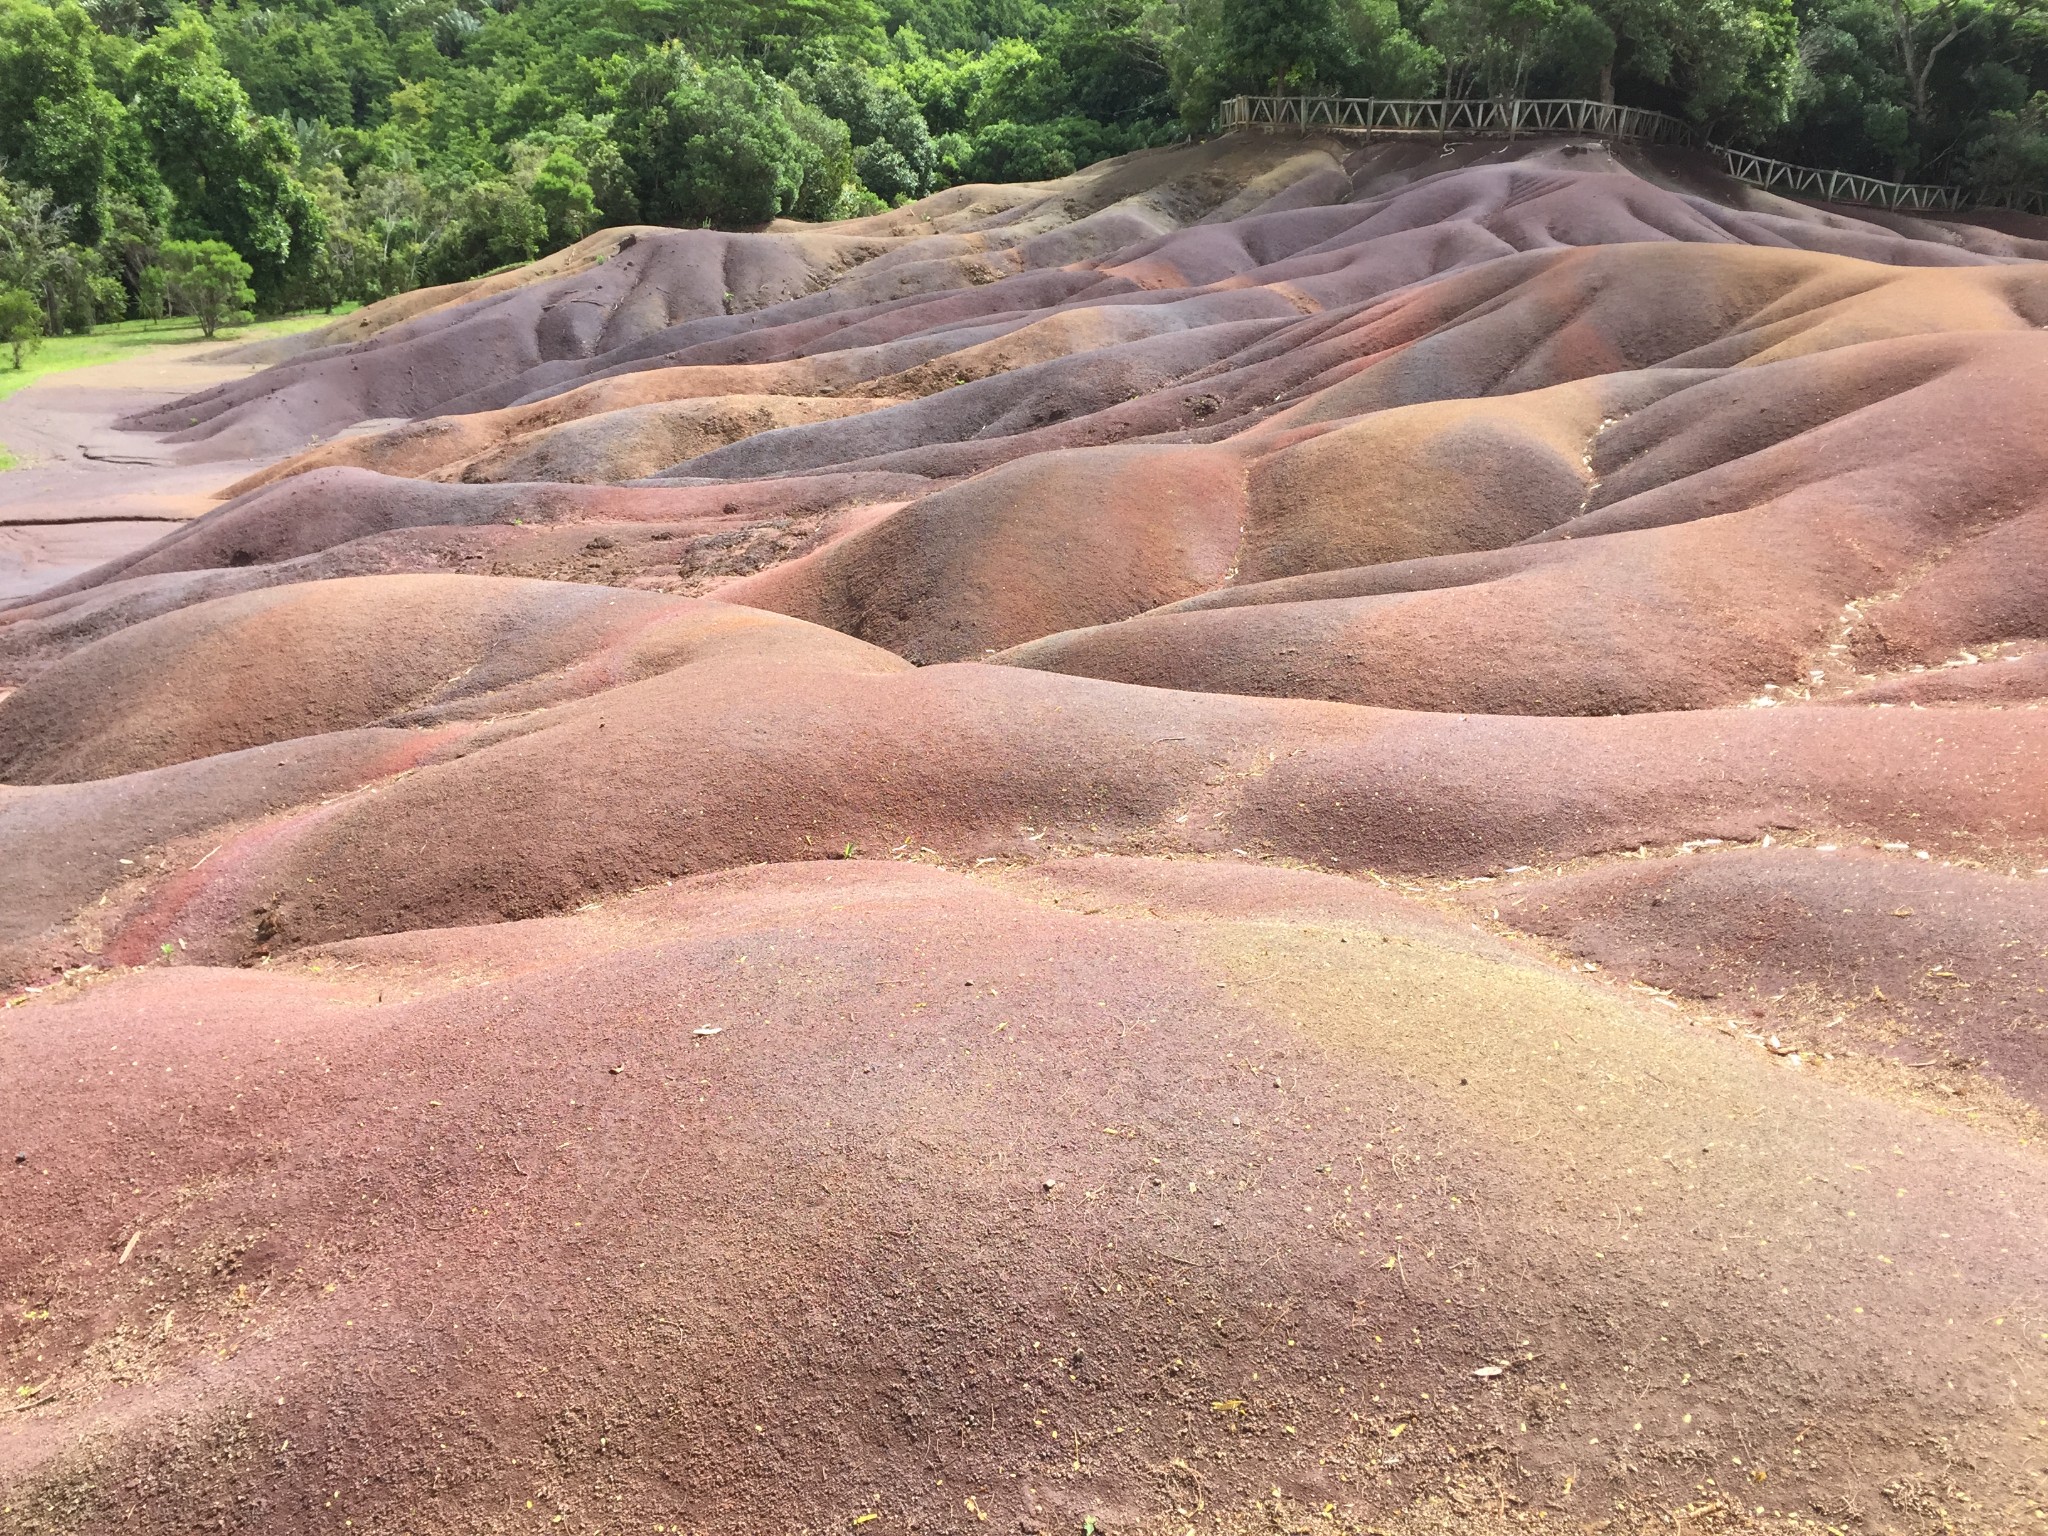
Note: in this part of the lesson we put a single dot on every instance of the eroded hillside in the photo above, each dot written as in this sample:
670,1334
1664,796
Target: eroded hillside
1288,836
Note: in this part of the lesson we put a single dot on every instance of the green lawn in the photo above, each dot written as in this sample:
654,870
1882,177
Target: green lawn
132,338
135,338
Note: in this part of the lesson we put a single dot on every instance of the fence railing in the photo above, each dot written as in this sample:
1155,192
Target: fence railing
1634,125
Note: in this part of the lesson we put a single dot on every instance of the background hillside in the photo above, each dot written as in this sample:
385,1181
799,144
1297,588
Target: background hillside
350,149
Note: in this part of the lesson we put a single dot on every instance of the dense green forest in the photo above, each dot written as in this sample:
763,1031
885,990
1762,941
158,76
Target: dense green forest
300,153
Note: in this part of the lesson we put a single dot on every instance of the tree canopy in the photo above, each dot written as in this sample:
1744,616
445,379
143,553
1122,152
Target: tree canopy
346,149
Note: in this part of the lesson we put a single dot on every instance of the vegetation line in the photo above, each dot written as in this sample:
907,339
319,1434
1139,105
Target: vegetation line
238,157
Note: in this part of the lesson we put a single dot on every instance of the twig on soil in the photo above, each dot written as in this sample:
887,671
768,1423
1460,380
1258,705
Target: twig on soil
33,1398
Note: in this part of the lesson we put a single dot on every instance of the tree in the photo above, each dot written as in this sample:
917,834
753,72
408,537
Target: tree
345,265
296,62
1285,46
394,203
128,18
1011,83
1108,62
1489,45
1008,151
129,236
1734,61
591,159
826,185
940,88
230,171
562,192
724,145
207,280
152,294
75,285
1344,47
1578,54
772,33
2011,155
1924,31
495,225
36,254
79,291
21,323
893,152
57,124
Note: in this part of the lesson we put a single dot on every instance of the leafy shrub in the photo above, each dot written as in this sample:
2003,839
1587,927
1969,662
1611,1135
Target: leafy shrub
207,280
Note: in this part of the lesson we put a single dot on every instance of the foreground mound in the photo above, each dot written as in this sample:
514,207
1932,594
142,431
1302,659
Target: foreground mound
558,743
1128,1194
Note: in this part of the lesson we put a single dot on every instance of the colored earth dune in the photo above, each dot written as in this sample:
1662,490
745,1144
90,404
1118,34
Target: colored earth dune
1292,836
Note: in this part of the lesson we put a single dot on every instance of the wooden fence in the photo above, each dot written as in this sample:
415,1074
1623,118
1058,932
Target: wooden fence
1440,118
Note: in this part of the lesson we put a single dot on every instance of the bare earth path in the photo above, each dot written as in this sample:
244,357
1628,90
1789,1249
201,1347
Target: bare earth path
84,492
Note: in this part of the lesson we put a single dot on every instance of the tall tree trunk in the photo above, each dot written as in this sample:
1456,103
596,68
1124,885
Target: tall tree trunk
1607,84
1920,70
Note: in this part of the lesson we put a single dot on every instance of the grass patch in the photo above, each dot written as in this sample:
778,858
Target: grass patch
133,338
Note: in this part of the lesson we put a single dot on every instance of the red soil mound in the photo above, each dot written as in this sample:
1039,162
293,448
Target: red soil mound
412,650
642,423
626,444
916,365
745,759
1702,549
1079,538
421,363
346,523
847,1190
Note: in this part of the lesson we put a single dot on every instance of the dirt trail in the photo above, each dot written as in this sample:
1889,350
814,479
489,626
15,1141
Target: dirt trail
84,492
